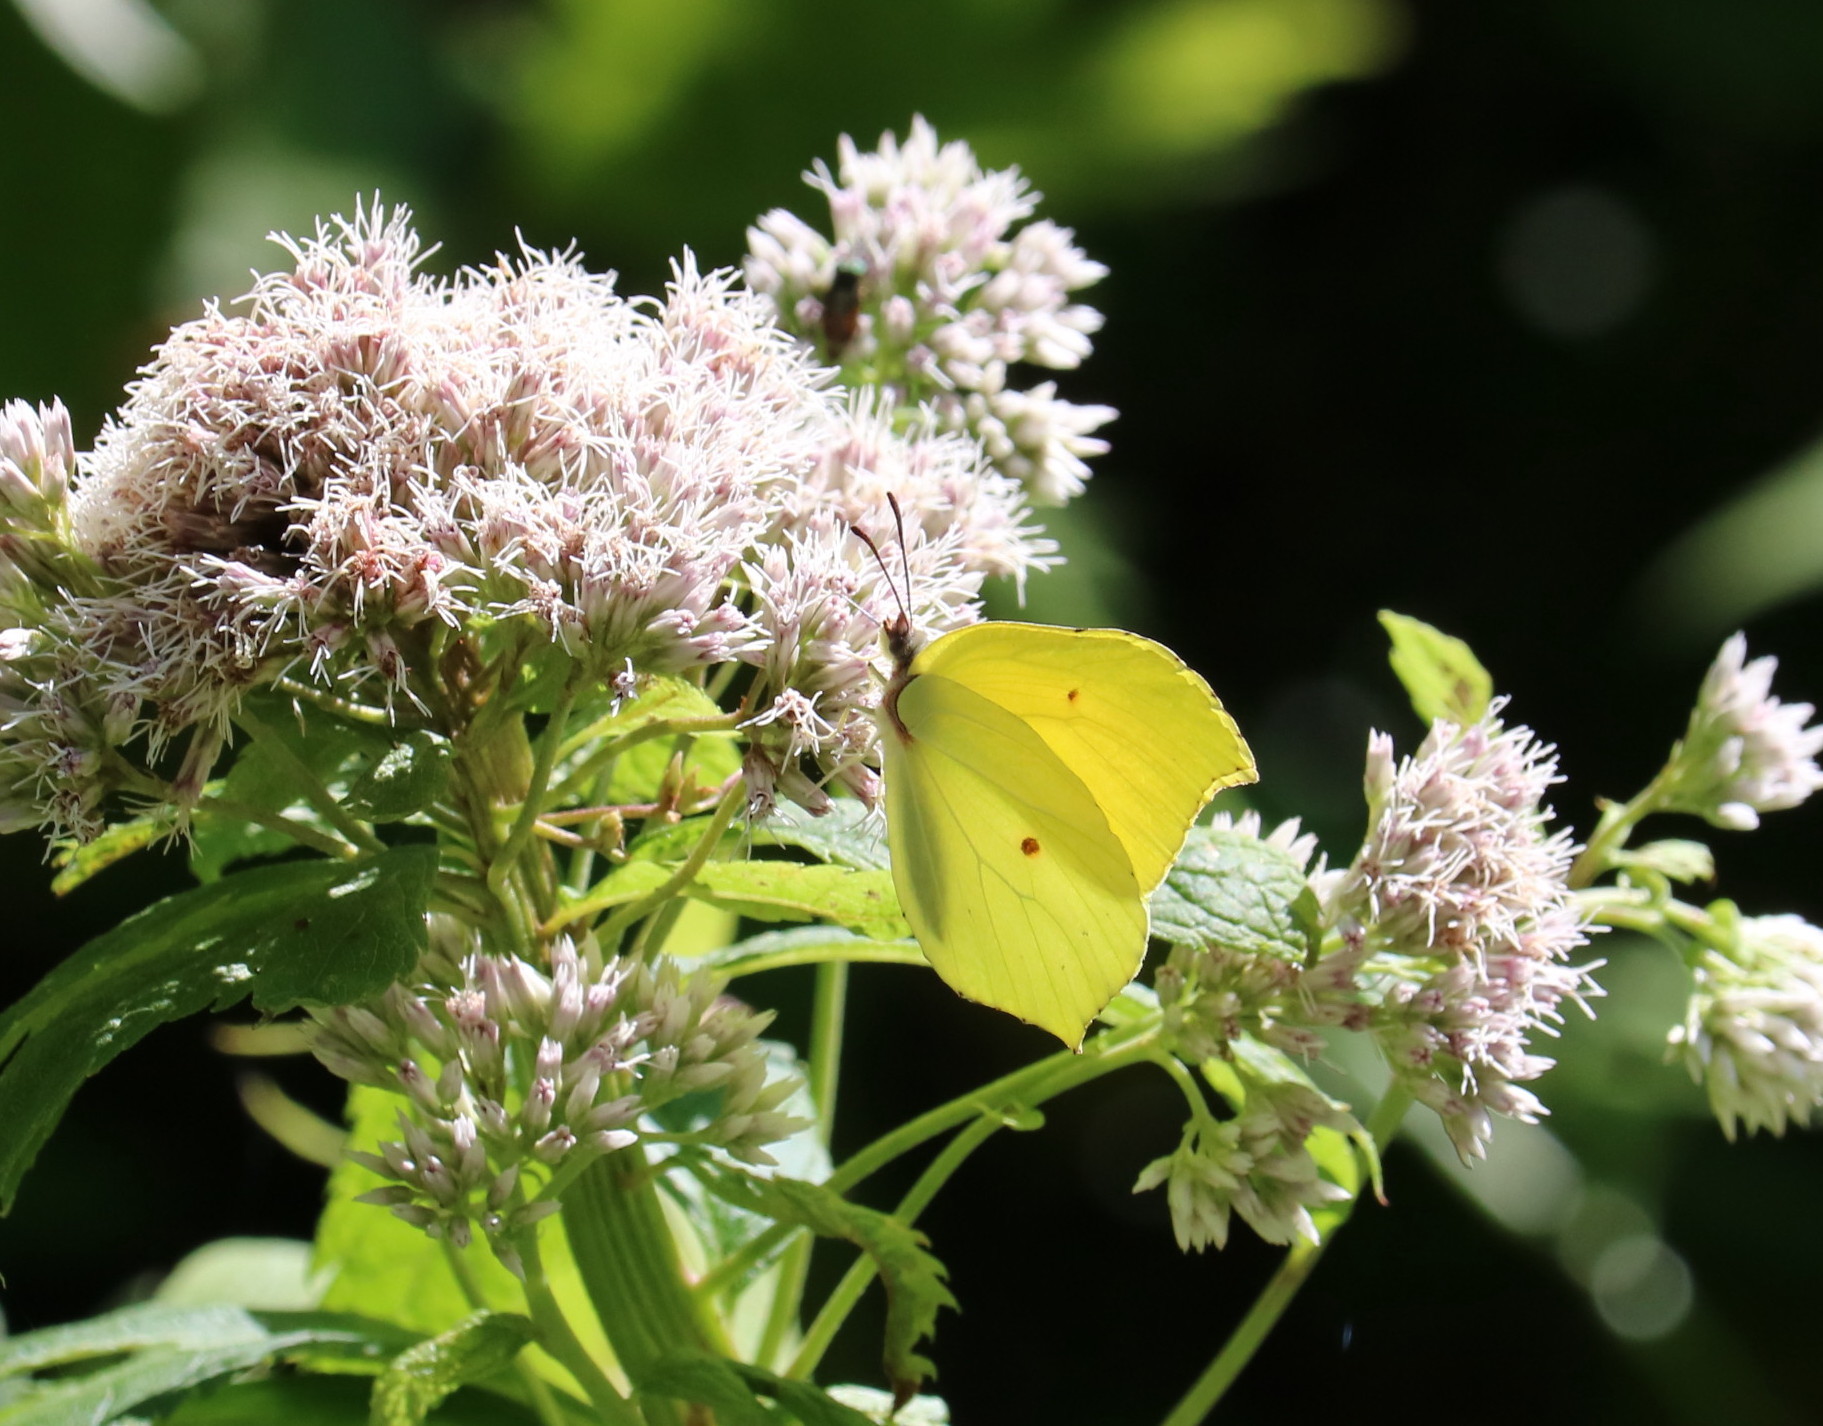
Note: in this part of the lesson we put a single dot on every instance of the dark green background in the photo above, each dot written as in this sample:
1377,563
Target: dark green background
1335,394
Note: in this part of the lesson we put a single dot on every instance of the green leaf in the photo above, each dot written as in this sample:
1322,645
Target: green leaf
808,1404
271,1273
409,777
847,834
722,1225
703,1380
76,865
387,1269
156,1324
864,901
167,1350
297,933
1441,674
1233,892
739,1393
420,1377
297,1400
808,945
218,842
378,774
1674,858
639,772
912,1277
663,699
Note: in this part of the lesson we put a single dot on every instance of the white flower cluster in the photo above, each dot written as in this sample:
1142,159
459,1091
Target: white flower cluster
369,466
1254,1164
1753,1032
927,289
508,1071
1744,752
1457,907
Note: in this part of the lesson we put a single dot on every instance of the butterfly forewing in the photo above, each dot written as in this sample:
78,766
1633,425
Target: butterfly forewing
1018,890
1139,729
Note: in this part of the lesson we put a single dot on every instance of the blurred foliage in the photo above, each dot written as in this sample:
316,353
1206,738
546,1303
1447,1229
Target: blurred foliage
1468,310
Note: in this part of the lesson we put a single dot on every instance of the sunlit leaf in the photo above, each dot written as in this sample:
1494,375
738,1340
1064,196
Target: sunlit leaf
120,840
847,833
790,891
1673,857
1441,674
1234,892
420,1377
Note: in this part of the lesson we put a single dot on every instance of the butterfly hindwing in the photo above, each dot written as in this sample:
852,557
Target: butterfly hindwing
1019,892
1136,726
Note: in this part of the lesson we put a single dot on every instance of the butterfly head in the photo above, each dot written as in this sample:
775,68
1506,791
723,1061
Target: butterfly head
902,640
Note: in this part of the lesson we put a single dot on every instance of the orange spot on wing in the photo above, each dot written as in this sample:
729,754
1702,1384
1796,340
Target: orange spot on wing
1030,846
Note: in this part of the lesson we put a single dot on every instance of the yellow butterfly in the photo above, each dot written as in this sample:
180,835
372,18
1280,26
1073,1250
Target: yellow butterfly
1039,784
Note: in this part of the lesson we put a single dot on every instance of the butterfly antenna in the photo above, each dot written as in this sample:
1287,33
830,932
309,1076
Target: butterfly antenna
904,619
904,553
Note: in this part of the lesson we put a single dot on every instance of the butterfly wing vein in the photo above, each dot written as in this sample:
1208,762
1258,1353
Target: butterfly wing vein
1019,892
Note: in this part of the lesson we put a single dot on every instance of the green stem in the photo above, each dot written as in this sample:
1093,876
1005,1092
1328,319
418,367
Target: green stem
536,1387
827,1012
616,925
341,707
658,728
1186,1084
1051,1076
1032,1085
1261,1318
505,863
300,832
1617,823
1298,1264
557,1337
309,783
848,951
629,1266
854,1282
826,1016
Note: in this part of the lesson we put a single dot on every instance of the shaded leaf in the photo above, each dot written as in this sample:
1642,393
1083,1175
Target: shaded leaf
703,1380
298,933
912,1277
168,1350
407,778
297,1400
807,1404
1441,674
